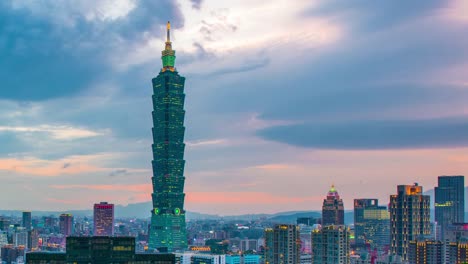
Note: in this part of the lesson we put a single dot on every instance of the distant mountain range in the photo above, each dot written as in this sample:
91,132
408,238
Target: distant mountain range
142,210
136,210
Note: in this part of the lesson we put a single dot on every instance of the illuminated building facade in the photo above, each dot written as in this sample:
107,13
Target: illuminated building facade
168,229
371,224
66,224
409,218
330,244
332,209
425,252
282,245
456,252
437,252
449,202
103,219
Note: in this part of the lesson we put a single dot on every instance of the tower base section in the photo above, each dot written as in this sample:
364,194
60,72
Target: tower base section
167,232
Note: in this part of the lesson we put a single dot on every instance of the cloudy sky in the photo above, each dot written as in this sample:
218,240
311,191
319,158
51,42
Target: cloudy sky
284,98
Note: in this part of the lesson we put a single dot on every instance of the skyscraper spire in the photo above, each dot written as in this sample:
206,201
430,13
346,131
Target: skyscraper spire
168,54
168,38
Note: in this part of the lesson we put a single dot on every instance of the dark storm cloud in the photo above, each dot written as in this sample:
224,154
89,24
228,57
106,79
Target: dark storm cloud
42,59
396,134
35,64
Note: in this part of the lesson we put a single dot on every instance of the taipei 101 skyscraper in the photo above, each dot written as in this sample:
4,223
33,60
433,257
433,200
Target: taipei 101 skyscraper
168,229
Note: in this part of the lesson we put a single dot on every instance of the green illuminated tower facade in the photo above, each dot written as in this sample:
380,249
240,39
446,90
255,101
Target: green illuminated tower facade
167,228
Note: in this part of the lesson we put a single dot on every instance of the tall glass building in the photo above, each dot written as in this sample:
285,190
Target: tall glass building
371,224
27,221
168,231
449,201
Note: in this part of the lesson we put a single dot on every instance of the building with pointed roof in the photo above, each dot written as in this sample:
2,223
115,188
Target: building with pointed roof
333,208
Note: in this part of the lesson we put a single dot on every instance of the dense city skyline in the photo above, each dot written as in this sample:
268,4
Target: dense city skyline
366,99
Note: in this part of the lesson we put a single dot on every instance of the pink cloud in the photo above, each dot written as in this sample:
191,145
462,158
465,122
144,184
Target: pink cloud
456,11
40,167
274,166
66,166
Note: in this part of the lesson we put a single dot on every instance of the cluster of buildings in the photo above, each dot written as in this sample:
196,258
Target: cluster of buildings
49,233
401,233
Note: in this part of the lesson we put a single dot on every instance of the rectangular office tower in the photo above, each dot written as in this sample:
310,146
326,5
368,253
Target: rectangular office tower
282,245
371,224
66,224
27,221
449,202
103,219
168,230
409,218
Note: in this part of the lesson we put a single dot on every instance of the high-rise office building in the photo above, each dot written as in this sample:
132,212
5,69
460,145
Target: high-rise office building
449,202
371,224
33,239
330,245
3,238
332,209
282,245
168,228
27,221
4,224
20,238
409,218
103,219
66,224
